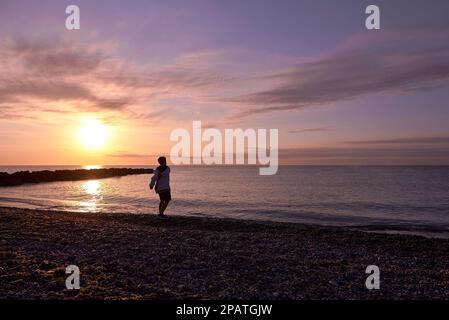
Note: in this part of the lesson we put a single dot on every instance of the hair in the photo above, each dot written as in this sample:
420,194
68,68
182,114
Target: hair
162,160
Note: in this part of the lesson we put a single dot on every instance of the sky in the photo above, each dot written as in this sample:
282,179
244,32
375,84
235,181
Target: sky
136,70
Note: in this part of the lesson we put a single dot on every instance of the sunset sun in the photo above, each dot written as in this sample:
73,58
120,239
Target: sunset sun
93,134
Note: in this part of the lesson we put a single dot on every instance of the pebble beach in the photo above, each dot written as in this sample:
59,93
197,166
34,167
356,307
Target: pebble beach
137,256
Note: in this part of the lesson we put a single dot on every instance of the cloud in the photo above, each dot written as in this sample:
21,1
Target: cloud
44,89
320,129
38,72
394,62
52,74
55,58
49,90
389,151
366,156
6,115
88,77
130,155
346,156
413,140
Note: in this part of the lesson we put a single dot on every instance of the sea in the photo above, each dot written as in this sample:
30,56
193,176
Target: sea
399,199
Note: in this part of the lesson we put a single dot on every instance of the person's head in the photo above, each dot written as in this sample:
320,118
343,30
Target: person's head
162,161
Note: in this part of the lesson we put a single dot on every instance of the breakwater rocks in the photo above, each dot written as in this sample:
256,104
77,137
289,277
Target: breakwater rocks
24,177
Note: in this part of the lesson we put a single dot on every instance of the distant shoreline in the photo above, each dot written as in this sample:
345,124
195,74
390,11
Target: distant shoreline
135,256
33,177
219,165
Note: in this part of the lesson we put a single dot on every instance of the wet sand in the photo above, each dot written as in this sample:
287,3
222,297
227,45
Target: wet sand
126,256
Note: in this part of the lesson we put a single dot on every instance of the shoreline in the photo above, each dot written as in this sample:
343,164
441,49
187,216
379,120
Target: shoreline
426,231
136,256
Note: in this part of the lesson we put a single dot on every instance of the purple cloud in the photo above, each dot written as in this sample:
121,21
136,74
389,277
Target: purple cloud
88,77
320,129
395,141
394,62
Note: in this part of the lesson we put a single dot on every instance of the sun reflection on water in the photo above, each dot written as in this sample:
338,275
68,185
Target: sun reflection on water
92,188
92,166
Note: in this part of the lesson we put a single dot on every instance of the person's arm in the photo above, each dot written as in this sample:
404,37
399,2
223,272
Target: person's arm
154,179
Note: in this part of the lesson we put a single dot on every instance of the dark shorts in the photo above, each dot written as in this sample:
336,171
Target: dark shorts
165,195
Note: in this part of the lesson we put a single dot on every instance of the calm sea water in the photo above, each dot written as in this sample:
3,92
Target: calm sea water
401,198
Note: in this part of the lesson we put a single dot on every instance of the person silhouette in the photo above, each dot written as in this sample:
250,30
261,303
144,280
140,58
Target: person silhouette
161,182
